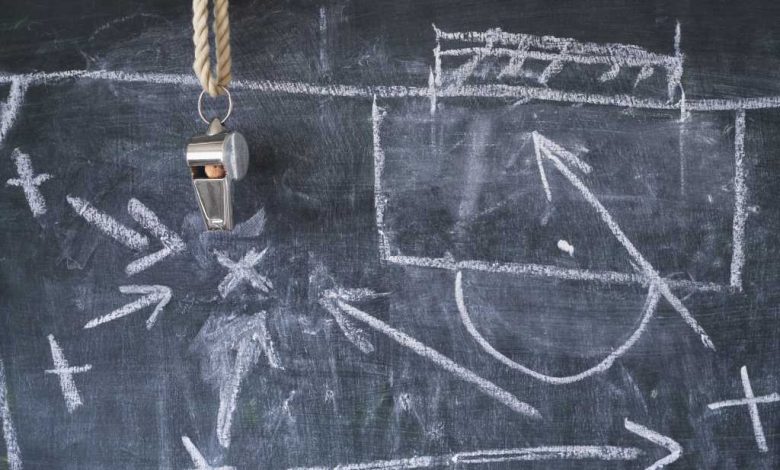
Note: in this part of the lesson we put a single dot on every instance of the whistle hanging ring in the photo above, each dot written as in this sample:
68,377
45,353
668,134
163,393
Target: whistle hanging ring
229,110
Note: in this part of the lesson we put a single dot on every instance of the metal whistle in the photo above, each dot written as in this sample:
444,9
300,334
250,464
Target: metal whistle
216,160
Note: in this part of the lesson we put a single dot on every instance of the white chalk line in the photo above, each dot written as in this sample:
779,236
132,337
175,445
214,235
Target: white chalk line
29,182
755,418
651,302
403,91
197,458
487,387
172,243
528,454
228,395
771,398
107,224
496,36
13,453
159,295
551,271
675,449
740,201
751,402
380,202
354,334
62,369
9,110
640,260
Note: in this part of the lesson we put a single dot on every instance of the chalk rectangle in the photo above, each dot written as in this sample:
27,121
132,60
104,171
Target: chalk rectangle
463,188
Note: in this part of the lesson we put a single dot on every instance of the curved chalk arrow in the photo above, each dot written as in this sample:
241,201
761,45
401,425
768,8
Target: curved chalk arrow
531,454
549,150
160,295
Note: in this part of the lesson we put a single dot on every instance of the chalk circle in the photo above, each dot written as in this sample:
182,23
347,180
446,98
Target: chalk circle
651,302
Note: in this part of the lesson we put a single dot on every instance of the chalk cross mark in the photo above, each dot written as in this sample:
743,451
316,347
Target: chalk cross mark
65,373
751,402
29,182
243,271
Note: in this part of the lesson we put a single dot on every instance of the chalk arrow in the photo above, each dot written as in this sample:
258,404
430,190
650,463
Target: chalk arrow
172,243
543,147
159,295
107,224
491,457
197,458
329,301
333,301
549,150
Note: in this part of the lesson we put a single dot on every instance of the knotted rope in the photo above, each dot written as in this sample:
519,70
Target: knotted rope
213,84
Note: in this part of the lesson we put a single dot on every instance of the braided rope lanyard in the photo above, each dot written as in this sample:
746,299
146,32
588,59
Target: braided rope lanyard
214,84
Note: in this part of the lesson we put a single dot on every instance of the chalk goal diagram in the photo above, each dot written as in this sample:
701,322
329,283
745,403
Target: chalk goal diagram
480,66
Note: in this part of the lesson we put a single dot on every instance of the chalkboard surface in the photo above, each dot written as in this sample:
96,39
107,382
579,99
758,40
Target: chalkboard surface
473,234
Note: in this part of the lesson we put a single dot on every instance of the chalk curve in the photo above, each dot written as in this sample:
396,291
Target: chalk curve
648,311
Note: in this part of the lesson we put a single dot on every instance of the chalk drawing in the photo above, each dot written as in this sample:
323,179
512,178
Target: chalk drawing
437,358
65,373
172,243
9,110
107,224
198,459
550,153
740,202
651,302
530,454
243,271
13,453
751,402
234,344
401,91
159,295
329,301
29,182
512,50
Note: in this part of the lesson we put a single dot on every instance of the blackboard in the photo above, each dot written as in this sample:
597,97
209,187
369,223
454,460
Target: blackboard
473,234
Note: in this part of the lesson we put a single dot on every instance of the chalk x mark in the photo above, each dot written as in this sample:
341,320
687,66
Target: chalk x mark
159,295
551,154
65,373
29,182
436,357
172,243
651,302
13,453
751,402
243,271
107,224
530,454
197,458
